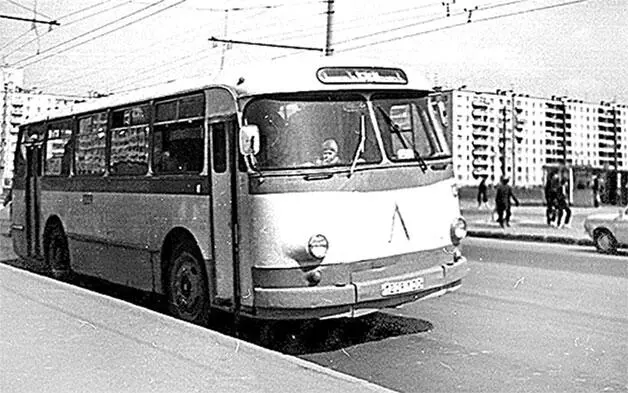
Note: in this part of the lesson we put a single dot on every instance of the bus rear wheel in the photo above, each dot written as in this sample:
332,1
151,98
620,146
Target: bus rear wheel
187,289
57,254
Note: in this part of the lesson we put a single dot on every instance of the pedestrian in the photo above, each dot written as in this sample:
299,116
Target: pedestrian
503,197
550,199
595,186
562,205
482,193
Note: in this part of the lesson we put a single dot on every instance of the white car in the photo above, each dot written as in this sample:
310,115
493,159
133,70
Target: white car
608,230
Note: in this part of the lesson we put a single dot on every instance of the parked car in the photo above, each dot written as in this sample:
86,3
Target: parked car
609,231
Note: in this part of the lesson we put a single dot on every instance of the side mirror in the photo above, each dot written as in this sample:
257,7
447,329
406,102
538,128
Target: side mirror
249,140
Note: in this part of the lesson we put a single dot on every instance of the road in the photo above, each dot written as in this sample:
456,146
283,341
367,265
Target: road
530,317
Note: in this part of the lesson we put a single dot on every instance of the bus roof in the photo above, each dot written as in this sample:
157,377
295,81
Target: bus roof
279,76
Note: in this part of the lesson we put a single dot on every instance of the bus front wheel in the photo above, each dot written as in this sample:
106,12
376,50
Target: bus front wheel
57,254
187,289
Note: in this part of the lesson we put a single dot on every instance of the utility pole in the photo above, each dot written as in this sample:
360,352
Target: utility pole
504,141
328,50
330,21
224,45
513,126
618,196
564,109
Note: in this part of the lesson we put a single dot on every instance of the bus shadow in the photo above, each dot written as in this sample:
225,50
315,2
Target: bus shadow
314,336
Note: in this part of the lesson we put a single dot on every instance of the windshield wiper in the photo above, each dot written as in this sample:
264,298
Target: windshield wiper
360,149
394,129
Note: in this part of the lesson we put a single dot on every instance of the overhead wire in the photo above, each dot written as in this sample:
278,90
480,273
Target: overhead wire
34,11
465,23
125,55
65,25
102,34
486,7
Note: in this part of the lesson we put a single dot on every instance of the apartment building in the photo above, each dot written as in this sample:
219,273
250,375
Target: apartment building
523,137
18,106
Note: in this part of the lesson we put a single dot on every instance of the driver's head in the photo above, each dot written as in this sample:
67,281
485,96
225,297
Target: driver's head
330,150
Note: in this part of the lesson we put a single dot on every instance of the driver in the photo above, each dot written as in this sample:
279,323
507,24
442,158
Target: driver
330,153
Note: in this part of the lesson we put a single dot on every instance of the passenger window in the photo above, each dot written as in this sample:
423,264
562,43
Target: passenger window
129,141
58,149
178,147
178,135
90,147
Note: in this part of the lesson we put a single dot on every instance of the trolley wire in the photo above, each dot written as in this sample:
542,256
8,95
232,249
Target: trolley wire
465,23
99,35
65,25
34,11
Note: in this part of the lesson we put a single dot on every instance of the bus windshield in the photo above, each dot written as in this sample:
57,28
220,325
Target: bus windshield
412,126
328,129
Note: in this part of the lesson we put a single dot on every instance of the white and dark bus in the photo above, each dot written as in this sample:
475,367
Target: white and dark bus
310,190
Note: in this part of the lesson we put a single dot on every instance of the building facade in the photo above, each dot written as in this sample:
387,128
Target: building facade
523,137
18,106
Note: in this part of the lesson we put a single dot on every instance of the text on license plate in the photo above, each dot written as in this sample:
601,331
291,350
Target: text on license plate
394,288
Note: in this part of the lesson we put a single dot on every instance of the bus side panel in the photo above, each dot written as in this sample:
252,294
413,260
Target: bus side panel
113,235
121,265
18,219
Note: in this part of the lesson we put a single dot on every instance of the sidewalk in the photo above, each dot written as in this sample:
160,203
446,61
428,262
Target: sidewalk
528,223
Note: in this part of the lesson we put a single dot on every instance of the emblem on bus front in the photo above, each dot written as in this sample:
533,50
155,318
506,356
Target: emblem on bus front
396,222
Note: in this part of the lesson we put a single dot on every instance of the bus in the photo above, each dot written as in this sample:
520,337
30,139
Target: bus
316,189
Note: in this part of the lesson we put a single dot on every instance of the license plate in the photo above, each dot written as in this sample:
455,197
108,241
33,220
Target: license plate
395,288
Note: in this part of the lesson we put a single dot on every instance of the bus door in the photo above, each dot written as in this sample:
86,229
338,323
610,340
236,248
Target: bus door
32,198
222,212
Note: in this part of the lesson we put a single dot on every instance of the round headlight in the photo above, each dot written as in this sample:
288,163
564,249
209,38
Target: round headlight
458,230
317,246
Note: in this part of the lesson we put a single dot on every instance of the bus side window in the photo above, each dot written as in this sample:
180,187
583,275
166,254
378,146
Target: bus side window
129,141
89,153
58,149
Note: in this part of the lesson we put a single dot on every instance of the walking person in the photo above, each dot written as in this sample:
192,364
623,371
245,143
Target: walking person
562,205
595,186
503,197
482,193
550,199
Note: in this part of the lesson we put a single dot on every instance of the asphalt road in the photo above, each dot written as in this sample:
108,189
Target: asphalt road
529,318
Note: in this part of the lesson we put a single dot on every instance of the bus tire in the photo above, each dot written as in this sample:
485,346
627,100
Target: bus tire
57,253
187,293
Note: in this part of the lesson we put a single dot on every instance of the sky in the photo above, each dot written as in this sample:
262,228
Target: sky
576,48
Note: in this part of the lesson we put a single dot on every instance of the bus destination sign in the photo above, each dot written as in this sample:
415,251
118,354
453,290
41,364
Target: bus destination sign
357,75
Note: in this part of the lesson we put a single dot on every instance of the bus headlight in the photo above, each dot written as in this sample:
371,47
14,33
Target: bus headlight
317,246
458,230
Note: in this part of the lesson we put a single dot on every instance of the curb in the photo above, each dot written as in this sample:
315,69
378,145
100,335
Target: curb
530,237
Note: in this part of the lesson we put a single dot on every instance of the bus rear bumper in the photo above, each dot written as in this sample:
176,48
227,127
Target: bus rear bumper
364,294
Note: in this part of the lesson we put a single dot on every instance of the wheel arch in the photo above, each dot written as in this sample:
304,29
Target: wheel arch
176,236
52,222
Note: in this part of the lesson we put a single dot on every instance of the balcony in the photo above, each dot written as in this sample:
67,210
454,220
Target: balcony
481,142
481,163
479,103
481,172
482,153
481,132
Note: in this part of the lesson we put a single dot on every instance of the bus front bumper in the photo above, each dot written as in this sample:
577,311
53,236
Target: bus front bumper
367,291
